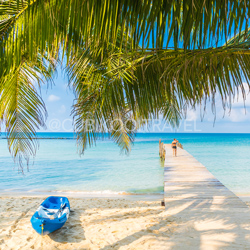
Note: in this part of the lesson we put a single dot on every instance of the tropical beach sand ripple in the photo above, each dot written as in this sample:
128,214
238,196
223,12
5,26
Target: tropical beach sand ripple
93,224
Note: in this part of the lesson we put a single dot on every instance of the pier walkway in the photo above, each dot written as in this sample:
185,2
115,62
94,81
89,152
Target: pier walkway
209,215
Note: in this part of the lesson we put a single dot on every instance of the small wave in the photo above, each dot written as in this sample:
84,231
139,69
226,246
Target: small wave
93,192
36,191
156,190
99,193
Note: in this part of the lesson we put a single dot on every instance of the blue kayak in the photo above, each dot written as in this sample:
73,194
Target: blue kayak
51,215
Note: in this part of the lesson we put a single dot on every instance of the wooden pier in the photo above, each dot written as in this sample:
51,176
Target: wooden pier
209,215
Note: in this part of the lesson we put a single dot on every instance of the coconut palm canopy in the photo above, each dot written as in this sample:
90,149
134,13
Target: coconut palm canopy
126,59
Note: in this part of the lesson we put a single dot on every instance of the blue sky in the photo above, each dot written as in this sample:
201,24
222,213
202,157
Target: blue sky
59,100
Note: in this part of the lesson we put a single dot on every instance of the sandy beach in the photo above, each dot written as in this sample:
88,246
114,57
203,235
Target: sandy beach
93,224
106,223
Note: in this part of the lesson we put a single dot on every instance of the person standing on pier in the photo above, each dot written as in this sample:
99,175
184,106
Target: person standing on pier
174,146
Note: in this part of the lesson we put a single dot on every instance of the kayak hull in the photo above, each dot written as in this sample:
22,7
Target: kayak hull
48,226
51,215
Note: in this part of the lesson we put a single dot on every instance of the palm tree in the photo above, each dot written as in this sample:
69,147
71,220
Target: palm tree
125,59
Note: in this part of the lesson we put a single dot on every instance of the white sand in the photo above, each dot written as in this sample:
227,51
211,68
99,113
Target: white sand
93,224
115,224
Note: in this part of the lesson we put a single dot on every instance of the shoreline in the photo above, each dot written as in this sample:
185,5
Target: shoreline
245,197
84,195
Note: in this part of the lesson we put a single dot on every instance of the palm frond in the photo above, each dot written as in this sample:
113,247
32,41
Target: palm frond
191,75
112,101
71,23
102,109
114,72
148,83
22,110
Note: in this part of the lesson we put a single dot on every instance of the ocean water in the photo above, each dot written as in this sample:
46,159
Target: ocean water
104,169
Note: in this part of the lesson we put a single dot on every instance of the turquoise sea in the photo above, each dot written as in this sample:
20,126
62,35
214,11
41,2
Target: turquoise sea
104,169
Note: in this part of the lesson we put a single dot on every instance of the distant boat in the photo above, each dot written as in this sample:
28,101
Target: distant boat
51,215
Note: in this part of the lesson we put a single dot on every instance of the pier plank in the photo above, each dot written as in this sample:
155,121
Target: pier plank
203,206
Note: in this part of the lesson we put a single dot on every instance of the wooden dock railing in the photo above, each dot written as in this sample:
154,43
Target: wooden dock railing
162,150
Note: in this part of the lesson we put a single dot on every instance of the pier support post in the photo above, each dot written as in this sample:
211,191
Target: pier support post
162,152
160,148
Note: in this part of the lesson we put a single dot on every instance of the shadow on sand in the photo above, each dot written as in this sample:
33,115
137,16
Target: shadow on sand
199,223
72,231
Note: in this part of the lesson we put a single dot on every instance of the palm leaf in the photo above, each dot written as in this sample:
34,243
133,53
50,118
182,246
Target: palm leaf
188,24
149,83
111,101
114,73
22,111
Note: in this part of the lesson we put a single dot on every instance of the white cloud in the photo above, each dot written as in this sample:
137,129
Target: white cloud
240,110
192,115
53,98
62,109
239,101
238,115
